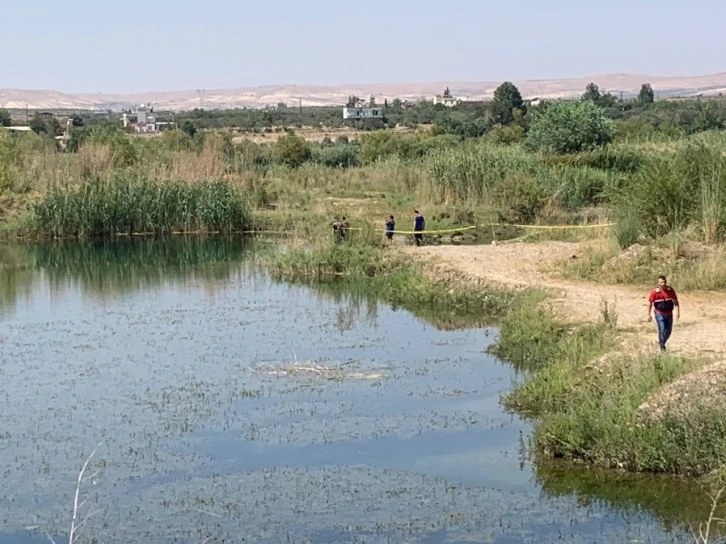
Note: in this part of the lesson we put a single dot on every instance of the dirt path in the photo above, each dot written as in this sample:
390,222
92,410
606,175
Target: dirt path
702,328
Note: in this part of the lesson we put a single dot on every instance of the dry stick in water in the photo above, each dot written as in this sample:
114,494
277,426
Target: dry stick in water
74,526
703,537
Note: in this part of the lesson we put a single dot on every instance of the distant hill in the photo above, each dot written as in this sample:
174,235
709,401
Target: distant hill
327,95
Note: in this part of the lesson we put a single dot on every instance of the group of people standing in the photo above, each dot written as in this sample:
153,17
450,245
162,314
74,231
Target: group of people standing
419,225
662,300
341,228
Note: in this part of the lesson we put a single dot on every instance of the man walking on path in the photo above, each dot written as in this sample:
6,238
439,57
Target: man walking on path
663,300
419,224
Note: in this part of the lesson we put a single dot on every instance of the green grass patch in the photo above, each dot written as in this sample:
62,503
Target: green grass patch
127,205
591,412
390,276
531,339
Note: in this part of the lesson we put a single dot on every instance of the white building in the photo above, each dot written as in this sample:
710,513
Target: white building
448,101
144,121
362,112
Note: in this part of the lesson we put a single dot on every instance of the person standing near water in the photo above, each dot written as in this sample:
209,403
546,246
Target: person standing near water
661,303
336,229
390,227
419,224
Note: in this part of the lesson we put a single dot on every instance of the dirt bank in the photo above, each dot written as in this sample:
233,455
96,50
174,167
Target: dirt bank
701,330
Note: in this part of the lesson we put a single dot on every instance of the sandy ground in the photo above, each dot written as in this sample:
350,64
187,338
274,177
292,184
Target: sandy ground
701,329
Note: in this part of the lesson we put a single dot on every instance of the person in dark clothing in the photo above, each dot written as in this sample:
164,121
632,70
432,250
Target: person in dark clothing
337,229
661,302
419,225
344,226
390,227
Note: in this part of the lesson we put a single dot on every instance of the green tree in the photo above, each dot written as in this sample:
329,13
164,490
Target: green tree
293,150
607,100
592,93
189,128
569,127
5,119
51,127
37,125
707,118
507,99
646,95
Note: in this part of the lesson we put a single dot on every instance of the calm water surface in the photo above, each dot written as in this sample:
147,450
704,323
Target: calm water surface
231,408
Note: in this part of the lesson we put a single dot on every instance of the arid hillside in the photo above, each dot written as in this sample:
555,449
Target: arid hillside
320,95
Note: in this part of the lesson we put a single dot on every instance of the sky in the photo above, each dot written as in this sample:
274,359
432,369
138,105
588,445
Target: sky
136,45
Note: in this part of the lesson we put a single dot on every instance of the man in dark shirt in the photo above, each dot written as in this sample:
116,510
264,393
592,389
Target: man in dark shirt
419,225
390,227
336,229
661,302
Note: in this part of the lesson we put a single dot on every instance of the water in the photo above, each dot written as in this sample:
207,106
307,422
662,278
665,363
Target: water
231,408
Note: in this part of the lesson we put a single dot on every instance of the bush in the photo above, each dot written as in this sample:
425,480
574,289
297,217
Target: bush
505,134
673,191
619,159
574,187
293,150
627,227
343,156
569,127
469,173
519,197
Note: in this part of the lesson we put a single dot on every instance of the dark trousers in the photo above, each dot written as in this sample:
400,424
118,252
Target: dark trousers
665,327
418,238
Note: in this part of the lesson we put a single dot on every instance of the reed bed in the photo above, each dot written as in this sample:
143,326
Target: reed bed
130,205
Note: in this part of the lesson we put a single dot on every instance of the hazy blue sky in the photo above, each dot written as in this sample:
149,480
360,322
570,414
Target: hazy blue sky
137,45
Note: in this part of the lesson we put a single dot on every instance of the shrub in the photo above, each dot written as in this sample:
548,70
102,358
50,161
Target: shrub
343,156
569,127
505,134
293,150
520,197
470,173
673,191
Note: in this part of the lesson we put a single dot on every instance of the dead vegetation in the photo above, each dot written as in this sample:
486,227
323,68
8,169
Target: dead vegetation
338,371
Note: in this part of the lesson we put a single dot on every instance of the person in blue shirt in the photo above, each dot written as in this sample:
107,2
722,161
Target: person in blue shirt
390,227
419,225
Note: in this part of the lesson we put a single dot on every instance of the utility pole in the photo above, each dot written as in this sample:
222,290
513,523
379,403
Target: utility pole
27,115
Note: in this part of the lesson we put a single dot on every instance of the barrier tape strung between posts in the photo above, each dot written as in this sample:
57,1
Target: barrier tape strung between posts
460,229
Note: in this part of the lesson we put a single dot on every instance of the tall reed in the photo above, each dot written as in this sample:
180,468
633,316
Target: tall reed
126,204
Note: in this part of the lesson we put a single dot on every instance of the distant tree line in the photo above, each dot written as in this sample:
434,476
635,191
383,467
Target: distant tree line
507,118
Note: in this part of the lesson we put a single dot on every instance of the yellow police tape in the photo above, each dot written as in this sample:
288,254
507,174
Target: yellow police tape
460,229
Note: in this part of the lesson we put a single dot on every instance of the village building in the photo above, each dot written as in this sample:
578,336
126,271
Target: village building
143,120
446,99
360,110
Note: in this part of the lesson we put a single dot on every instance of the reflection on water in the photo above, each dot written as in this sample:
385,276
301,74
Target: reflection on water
229,404
112,267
